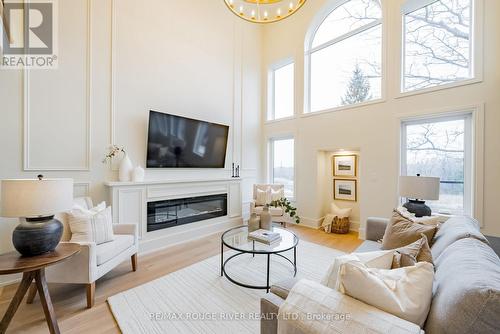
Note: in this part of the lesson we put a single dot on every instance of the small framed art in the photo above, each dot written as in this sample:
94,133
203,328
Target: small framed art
345,190
344,165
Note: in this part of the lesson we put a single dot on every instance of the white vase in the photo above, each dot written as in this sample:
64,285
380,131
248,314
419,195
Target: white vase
125,169
253,223
266,221
138,174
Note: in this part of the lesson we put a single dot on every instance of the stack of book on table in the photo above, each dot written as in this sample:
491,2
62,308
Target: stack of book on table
265,236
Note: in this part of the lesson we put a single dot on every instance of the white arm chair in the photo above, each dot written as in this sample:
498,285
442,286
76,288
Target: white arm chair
278,215
93,261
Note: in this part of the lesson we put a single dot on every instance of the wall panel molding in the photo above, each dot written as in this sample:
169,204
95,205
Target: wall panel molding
27,164
81,189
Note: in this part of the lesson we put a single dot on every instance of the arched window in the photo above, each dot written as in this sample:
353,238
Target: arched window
344,56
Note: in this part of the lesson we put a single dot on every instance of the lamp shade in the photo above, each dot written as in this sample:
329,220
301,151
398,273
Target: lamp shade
35,198
419,187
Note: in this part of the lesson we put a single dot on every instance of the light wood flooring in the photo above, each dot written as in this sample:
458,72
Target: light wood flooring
70,301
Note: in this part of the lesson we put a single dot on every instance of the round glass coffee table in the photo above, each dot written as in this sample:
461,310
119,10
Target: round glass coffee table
237,239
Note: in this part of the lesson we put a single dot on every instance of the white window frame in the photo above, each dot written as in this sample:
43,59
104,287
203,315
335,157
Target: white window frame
270,159
476,48
469,152
271,88
309,50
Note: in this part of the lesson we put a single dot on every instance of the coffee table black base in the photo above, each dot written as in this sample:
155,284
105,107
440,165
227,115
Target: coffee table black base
258,287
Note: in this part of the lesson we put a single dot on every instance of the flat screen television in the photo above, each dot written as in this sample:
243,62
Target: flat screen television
180,142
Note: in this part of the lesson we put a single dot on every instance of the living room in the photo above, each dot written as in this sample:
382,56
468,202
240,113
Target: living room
310,118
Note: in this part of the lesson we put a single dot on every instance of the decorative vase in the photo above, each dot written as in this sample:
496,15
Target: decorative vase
266,222
138,174
125,169
253,223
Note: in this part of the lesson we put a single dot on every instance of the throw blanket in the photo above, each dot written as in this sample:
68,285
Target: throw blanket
314,308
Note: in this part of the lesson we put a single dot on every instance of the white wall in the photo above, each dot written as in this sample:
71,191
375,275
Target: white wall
374,129
118,59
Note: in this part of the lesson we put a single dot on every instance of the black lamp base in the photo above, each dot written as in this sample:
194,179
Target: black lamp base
36,236
418,208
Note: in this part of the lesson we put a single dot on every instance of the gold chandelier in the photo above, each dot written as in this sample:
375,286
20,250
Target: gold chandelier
264,11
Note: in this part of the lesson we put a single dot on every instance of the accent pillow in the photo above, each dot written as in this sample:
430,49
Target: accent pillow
426,220
401,232
341,213
377,259
263,197
94,225
408,255
276,194
404,292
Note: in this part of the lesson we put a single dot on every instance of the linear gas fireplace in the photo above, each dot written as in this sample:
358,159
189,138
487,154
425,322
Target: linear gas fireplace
170,213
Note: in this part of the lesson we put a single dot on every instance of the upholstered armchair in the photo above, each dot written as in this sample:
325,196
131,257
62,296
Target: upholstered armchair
256,206
93,261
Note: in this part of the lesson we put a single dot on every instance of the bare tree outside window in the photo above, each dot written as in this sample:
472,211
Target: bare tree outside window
437,47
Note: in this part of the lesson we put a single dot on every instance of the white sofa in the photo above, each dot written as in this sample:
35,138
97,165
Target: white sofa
93,261
278,214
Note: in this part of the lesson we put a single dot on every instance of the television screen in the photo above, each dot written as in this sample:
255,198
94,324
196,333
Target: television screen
180,142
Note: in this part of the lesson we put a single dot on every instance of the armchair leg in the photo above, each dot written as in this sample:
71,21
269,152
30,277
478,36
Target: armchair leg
31,294
133,258
90,294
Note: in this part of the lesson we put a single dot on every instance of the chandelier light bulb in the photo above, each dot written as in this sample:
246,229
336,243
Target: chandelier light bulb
264,11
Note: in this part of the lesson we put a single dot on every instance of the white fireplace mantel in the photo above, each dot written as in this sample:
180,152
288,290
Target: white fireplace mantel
129,204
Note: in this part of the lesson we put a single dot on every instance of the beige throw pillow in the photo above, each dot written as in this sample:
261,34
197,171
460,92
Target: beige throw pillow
377,259
401,232
408,255
404,292
94,225
263,197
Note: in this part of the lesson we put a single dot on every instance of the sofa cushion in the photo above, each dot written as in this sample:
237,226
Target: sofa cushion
369,246
454,229
272,210
466,290
109,250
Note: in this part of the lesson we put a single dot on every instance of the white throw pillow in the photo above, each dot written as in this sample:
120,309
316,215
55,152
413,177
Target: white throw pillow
404,292
91,225
341,213
263,197
276,195
377,259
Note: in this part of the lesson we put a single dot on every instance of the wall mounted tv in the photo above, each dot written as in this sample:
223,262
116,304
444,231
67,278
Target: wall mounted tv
180,142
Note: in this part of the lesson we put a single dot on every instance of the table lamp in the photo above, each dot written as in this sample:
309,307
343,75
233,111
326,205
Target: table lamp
35,202
417,189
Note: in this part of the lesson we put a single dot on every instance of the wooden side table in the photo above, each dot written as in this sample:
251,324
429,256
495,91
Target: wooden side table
33,268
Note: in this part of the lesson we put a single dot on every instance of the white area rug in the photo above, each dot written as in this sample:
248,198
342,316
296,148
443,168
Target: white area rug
197,299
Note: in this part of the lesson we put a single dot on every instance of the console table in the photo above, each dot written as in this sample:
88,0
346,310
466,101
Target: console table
33,268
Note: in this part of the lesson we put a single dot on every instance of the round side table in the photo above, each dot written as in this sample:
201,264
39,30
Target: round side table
33,268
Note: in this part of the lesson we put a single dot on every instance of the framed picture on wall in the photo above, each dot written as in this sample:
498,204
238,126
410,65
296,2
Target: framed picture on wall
344,165
345,190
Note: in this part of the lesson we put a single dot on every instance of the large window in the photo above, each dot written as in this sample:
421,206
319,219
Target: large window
345,56
441,147
282,163
281,80
437,43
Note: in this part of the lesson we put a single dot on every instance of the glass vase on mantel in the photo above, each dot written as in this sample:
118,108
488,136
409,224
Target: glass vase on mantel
266,221
125,169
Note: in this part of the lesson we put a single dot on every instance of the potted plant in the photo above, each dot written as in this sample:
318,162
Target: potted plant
288,207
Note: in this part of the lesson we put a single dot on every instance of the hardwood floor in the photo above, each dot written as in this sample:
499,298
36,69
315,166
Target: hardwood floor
70,300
